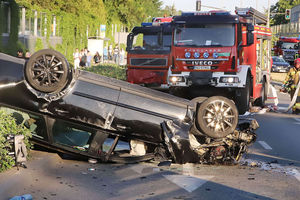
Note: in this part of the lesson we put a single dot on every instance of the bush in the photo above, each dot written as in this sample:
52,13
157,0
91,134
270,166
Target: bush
109,70
8,126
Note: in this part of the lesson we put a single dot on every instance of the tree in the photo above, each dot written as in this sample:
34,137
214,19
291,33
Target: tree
280,7
169,11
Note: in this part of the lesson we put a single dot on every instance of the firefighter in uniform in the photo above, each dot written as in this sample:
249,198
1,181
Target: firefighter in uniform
291,82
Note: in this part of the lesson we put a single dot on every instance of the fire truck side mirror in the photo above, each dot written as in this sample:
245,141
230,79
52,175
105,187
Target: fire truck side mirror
250,27
250,36
129,42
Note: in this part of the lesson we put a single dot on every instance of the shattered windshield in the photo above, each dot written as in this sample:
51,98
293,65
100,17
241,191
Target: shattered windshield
204,35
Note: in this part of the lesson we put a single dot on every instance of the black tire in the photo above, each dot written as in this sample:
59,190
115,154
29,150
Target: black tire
242,100
48,71
217,117
264,92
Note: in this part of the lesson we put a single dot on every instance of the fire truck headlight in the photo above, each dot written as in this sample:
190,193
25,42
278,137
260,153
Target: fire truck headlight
229,80
206,54
175,79
215,55
187,54
196,55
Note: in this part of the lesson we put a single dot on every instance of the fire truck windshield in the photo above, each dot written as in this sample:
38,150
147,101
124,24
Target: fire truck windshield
151,42
205,35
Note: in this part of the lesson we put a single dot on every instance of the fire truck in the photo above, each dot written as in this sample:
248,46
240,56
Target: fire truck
218,53
288,47
148,52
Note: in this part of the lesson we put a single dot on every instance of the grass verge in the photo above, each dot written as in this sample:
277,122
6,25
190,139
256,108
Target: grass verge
279,77
109,70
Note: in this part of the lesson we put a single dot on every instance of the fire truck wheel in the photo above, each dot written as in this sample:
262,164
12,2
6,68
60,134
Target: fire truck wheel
217,117
243,99
264,92
48,71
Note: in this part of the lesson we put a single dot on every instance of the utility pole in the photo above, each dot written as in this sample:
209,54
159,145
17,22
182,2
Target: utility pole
268,23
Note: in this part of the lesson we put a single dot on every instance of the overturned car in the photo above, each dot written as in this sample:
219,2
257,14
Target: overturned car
81,113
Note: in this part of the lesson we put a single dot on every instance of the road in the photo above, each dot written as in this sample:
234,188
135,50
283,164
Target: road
271,170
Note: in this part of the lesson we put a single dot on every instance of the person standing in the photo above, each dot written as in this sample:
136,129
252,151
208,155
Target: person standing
122,56
110,52
20,53
89,59
291,83
76,57
82,58
105,54
97,58
27,54
116,53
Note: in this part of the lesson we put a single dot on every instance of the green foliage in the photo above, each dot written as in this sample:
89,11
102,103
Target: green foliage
280,7
109,70
39,44
131,12
8,126
169,11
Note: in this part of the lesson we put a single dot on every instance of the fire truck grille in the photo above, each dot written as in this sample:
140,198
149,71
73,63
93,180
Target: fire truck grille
289,53
148,62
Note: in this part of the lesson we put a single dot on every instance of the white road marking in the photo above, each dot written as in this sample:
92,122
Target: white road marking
156,169
296,174
297,119
138,168
189,183
265,145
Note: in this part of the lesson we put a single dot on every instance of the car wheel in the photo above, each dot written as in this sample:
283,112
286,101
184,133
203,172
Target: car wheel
217,117
243,100
47,71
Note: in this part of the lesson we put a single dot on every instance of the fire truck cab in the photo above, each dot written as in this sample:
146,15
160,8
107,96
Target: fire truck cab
288,47
218,53
148,52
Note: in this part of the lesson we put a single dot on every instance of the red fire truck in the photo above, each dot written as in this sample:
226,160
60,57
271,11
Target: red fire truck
219,53
288,47
148,52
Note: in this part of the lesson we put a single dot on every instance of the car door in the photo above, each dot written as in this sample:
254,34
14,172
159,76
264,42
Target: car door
140,113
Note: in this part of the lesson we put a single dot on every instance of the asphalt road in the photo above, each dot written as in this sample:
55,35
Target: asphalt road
269,171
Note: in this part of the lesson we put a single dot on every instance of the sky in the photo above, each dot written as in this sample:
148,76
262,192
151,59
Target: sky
190,5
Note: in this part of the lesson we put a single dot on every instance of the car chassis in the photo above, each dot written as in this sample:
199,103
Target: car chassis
203,130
